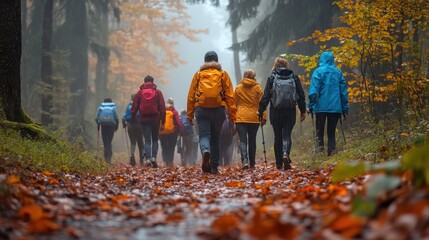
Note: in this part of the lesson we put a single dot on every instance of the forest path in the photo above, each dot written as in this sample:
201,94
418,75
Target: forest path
181,203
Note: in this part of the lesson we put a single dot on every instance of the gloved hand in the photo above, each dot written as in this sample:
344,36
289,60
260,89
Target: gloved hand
309,111
302,117
190,121
263,122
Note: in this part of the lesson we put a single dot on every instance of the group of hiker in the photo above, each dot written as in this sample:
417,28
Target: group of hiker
213,106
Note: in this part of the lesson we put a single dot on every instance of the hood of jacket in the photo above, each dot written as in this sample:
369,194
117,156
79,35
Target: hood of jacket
209,65
148,85
326,59
247,82
282,71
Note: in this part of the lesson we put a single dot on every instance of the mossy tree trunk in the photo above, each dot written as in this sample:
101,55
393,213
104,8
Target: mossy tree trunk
10,62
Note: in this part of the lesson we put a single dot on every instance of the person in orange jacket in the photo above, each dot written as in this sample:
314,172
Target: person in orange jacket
210,86
247,96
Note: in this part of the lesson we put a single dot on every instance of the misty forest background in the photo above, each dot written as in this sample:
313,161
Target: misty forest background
77,52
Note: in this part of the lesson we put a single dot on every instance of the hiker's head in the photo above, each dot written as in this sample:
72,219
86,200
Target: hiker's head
183,112
249,73
280,61
132,96
170,102
148,78
107,100
211,56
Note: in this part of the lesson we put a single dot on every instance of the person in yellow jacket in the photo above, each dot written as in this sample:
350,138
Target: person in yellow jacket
247,96
210,86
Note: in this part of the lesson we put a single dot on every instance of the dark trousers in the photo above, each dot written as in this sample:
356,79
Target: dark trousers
210,122
136,137
247,134
107,136
226,149
332,120
283,121
186,151
150,132
168,144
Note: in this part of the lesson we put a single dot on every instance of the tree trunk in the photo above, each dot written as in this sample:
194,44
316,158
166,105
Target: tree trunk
103,53
10,62
76,20
237,67
46,66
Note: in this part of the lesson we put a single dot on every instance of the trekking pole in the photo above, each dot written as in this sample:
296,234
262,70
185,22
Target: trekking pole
263,144
98,141
342,130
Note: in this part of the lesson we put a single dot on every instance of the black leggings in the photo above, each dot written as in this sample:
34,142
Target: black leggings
320,129
283,121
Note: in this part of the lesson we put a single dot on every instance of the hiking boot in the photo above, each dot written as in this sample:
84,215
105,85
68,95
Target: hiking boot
286,162
214,170
132,161
153,163
206,162
279,166
245,164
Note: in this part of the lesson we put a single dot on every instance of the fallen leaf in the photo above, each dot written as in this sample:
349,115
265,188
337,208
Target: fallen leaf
12,179
31,212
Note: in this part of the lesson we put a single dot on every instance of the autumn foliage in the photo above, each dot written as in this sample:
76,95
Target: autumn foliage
382,46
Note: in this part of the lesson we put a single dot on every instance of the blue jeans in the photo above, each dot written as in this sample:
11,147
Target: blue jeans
150,132
210,122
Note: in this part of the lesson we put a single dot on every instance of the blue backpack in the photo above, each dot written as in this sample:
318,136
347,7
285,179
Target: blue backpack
107,113
127,114
187,126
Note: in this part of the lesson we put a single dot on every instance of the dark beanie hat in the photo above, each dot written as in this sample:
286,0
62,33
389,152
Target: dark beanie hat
148,78
210,56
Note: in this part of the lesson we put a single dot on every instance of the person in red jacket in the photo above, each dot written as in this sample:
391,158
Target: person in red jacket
168,136
149,103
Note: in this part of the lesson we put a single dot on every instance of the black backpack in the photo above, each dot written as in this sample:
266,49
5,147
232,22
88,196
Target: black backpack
283,92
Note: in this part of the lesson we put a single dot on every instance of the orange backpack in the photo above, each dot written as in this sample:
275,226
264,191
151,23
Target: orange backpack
209,90
169,123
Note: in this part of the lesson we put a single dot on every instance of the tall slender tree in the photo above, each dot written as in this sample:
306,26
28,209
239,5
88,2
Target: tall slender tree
46,63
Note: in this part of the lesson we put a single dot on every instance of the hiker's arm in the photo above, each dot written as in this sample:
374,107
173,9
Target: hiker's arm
301,94
178,123
260,92
314,89
229,95
344,95
191,97
161,106
266,96
136,105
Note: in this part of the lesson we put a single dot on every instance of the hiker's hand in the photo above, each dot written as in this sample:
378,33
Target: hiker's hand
263,122
309,111
190,121
302,117
345,115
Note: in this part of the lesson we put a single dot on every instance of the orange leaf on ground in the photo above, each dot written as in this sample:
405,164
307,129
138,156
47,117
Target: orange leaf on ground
175,217
42,226
12,179
348,225
31,212
54,181
235,183
225,223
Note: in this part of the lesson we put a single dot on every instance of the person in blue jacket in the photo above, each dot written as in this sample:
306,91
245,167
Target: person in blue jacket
134,133
328,99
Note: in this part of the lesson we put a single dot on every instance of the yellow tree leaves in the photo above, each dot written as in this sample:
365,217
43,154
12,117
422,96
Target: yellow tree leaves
382,48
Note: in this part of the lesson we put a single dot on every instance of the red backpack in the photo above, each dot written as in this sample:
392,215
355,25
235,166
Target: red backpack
148,102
